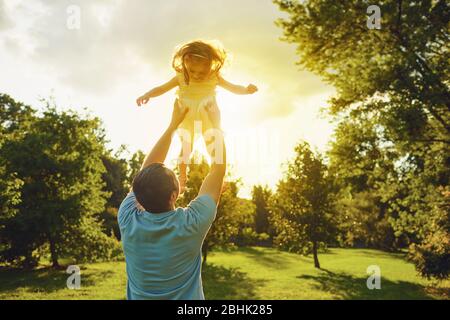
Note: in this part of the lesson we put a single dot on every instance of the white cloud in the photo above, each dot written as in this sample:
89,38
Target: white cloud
124,48
5,22
97,57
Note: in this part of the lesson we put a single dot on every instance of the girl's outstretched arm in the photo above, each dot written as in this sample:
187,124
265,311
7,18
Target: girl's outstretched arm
237,89
157,91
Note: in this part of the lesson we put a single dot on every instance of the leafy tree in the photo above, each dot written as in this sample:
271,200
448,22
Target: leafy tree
229,220
58,159
363,223
245,219
432,255
116,186
400,73
109,222
261,197
398,77
287,234
304,199
363,165
134,165
115,177
10,187
15,119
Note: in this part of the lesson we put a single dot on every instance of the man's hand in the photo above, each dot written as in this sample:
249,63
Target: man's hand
143,99
178,114
251,88
159,151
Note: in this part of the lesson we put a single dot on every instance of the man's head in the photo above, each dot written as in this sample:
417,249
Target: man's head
156,188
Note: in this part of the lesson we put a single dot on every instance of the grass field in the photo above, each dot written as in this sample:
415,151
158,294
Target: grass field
246,273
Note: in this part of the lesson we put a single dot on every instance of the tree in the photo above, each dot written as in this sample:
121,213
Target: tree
363,223
402,74
304,198
232,217
15,119
116,186
58,159
229,220
134,165
110,226
398,76
432,255
115,177
261,197
10,187
363,166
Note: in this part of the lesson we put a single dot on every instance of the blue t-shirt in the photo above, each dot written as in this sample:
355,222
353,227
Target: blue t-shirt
163,250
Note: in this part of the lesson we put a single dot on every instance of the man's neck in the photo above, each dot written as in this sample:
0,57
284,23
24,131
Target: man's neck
171,208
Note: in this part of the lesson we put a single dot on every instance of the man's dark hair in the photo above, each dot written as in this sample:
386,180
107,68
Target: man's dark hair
153,187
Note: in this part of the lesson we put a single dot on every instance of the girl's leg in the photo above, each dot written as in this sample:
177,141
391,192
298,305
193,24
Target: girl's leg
186,149
209,135
214,148
213,141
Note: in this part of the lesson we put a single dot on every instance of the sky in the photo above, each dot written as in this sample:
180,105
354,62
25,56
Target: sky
98,56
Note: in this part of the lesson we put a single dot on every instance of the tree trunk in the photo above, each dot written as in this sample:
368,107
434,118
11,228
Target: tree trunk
316,258
54,254
29,262
205,253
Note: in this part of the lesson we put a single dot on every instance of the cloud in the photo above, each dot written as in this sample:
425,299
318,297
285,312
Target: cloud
5,21
125,47
117,39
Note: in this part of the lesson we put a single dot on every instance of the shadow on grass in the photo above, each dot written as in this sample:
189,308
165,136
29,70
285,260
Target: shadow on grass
220,283
43,280
345,286
383,254
275,259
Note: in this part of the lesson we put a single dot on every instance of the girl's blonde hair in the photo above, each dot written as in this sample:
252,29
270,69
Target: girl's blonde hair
212,51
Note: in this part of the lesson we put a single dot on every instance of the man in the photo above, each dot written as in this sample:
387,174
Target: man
162,244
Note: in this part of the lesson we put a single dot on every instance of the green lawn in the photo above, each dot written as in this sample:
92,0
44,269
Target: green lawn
246,273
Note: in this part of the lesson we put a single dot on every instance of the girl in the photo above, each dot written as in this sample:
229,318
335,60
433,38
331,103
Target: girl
197,65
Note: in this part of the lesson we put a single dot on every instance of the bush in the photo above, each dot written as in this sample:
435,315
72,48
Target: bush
109,221
249,237
432,256
289,237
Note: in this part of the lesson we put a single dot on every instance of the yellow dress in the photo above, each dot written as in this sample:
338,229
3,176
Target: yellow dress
196,96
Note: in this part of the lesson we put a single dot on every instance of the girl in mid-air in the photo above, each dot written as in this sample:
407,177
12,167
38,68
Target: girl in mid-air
197,65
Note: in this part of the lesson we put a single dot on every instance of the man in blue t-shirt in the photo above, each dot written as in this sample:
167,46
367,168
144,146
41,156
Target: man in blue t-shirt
162,244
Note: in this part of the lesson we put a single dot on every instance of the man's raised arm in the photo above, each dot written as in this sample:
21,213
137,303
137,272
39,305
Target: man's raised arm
212,185
159,152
